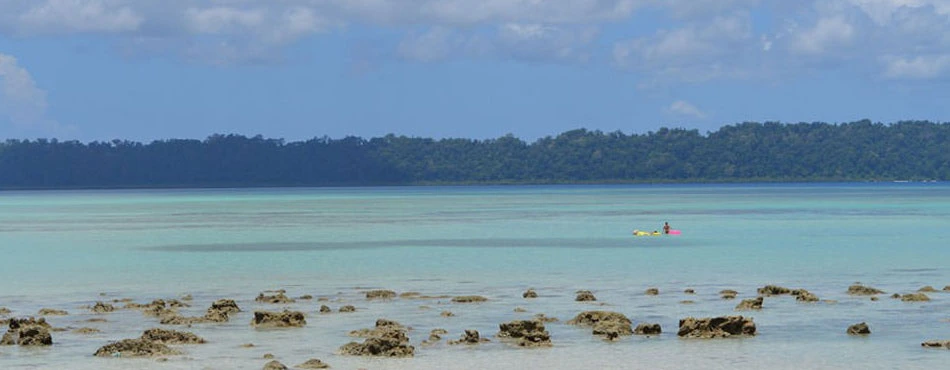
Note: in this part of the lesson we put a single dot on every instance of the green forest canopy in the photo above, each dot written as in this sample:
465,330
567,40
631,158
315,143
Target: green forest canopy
857,151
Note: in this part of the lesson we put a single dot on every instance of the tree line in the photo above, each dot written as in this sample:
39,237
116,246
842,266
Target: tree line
856,151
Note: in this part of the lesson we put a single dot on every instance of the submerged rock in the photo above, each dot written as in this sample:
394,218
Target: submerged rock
542,318
86,331
526,333
171,337
530,293
102,307
286,319
469,299
278,298
728,294
305,297
387,339
689,291
936,344
648,329
927,289
858,289
52,312
325,309
5,311
716,327
135,348
585,296
380,294
652,291
470,337
859,329
447,314
769,290
750,304
274,365
313,363
915,297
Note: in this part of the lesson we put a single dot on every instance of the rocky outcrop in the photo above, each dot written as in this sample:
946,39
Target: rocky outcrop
285,319
716,327
915,297
135,348
803,295
347,308
278,298
728,294
927,289
470,337
689,291
585,296
171,337
5,311
325,309
313,363
530,293
525,333
770,290
858,289
859,329
226,306
447,314
27,332
305,297
647,329
102,307
274,365
380,294
52,312
469,299
542,318
750,304
946,288
387,339
652,291
945,344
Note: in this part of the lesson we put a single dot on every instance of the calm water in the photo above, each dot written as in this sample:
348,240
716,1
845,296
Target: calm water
62,249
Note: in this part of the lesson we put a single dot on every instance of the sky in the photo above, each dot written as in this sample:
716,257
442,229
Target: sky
295,69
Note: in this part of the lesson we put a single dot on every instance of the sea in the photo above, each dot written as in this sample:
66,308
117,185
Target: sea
69,249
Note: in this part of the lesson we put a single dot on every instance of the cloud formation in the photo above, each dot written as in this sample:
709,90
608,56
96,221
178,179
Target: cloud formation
681,108
22,102
672,41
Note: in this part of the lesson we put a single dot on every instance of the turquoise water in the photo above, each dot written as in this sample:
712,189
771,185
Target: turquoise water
62,249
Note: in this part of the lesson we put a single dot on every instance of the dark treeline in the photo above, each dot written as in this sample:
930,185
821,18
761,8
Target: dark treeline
857,151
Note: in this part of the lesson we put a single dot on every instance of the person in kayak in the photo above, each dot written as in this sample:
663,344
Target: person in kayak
666,227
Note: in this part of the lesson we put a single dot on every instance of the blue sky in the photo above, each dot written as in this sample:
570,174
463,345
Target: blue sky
152,69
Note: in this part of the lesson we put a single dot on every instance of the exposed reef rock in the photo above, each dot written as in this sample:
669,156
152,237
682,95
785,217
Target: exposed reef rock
135,348
750,304
380,294
716,327
286,319
585,296
387,339
648,329
858,289
859,329
525,333
469,299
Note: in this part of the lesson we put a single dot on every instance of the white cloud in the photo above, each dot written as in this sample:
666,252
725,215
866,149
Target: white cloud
920,67
22,102
685,109
67,16
694,53
827,34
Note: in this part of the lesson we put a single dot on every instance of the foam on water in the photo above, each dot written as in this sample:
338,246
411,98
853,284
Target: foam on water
61,249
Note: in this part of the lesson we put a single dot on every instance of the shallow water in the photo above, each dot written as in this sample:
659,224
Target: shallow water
62,249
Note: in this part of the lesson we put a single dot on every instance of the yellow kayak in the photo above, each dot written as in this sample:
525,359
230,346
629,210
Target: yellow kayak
646,233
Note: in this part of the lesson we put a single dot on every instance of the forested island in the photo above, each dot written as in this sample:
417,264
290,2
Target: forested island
753,152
